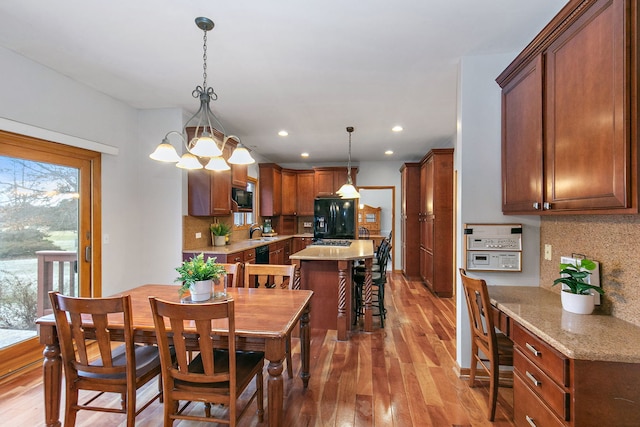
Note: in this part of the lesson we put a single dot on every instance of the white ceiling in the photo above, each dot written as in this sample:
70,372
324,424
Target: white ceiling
311,67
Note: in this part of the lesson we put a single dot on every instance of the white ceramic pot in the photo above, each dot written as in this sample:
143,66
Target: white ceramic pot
219,240
575,303
220,287
201,290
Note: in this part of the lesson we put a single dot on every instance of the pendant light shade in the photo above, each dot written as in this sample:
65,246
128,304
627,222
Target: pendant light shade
217,164
205,143
348,191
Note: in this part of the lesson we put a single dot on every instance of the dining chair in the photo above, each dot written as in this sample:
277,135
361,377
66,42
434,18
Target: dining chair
272,276
363,233
212,376
232,274
83,328
496,347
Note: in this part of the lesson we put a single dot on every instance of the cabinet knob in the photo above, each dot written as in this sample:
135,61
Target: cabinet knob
546,206
536,205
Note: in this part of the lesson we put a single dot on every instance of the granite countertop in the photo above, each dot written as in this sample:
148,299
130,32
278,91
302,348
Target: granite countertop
577,336
357,250
241,245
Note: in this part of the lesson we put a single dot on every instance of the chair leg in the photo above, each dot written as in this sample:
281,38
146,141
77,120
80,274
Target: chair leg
493,390
474,365
260,396
71,407
288,356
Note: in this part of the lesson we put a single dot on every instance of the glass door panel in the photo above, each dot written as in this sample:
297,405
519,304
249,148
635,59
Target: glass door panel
39,229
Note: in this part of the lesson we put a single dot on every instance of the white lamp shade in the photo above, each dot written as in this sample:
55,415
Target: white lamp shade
241,156
189,161
348,191
217,164
165,153
205,146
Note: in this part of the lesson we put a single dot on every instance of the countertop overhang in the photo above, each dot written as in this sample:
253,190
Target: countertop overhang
595,336
358,249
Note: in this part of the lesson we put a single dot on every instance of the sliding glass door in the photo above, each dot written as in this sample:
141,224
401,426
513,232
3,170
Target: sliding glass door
46,236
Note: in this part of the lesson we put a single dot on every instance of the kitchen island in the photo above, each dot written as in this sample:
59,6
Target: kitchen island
327,271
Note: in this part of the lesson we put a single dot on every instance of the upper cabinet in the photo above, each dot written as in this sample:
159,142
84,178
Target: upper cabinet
289,190
569,102
305,192
328,180
270,189
209,192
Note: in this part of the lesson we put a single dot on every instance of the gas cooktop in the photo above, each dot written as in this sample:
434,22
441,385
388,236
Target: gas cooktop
332,243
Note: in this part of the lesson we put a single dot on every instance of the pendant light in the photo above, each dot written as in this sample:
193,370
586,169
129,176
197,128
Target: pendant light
348,191
208,141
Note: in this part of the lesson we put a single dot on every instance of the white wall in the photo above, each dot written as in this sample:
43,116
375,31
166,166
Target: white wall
141,200
478,164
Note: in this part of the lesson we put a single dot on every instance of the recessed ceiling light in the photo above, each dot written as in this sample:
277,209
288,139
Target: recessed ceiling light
304,155
283,133
397,128
388,152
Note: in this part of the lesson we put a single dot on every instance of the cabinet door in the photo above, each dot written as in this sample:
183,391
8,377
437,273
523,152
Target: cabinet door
522,141
239,176
305,193
270,189
209,193
587,145
289,196
323,181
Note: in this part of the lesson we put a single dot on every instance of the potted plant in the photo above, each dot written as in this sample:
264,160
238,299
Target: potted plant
219,233
197,275
578,296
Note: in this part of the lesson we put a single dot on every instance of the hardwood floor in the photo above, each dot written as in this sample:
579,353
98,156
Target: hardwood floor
403,375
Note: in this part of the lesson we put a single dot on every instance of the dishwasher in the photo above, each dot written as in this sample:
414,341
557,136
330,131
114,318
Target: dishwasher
262,254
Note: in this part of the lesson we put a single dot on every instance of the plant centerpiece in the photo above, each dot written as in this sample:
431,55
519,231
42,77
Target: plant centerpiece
578,297
197,275
219,233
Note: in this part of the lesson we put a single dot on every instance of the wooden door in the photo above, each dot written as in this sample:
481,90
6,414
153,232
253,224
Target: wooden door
522,179
289,193
587,145
305,193
323,183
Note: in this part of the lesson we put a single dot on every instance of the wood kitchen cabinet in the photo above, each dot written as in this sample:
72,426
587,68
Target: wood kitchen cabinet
270,189
299,243
568,114
435,221
276,253
409,224
305,193
328,180
289,192
209,192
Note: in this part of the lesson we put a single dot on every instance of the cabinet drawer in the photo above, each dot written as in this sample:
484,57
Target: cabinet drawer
249,255
554,396
547,359
235,257
529,410
501,321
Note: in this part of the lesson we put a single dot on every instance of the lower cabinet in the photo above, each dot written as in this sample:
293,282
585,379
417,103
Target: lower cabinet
299,243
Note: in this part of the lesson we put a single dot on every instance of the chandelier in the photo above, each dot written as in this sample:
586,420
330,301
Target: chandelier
348,191
208,139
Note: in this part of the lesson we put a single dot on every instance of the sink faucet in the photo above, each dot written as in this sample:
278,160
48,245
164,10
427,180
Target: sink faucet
254,228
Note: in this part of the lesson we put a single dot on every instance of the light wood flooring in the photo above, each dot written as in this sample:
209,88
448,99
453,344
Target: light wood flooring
402,375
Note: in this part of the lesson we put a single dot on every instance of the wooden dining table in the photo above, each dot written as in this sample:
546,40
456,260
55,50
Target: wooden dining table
264,318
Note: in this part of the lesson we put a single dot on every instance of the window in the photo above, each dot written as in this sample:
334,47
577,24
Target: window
242,220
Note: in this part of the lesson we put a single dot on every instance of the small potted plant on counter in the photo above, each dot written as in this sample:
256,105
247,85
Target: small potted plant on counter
197,276
578,296
219,233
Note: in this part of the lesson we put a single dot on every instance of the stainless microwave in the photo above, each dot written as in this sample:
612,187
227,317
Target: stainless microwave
243,198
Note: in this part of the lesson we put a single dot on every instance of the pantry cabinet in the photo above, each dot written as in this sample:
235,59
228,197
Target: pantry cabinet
568,100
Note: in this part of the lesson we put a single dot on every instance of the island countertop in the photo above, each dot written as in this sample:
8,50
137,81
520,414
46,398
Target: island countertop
358,249
578,336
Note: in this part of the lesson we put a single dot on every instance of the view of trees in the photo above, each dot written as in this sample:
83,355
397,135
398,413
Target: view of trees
36,200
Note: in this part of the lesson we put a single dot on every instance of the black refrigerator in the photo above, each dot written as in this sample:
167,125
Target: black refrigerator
334,218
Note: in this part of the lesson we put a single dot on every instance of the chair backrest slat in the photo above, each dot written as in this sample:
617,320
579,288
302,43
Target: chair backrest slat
269,275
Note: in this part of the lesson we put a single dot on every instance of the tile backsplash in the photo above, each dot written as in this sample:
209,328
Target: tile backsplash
612,240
